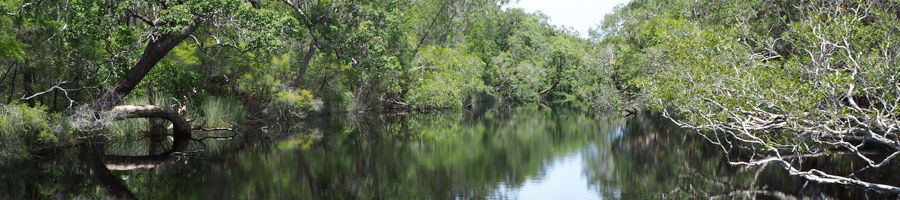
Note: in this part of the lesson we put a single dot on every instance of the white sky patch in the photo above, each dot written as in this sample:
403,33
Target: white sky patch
579,14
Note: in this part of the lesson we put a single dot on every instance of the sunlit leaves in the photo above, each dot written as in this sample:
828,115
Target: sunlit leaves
712,62
445,78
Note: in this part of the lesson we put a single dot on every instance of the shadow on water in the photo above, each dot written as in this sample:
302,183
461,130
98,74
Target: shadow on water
516,153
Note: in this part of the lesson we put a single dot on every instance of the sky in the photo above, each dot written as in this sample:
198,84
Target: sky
579,14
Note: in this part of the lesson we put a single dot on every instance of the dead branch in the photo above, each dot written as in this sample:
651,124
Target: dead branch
853,115
59,87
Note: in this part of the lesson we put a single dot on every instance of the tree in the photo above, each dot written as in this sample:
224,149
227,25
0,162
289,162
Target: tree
168,24
781,81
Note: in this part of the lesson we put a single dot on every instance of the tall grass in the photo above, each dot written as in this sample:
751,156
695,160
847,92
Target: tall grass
213,112
220,112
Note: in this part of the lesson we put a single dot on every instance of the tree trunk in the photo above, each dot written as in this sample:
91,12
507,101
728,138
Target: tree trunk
153,53
430,26
304,64
28,85
113,185
181,128
12,84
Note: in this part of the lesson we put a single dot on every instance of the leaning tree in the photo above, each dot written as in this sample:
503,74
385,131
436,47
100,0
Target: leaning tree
160,27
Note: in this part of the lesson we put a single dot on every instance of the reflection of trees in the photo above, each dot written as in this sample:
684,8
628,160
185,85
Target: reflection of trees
416,156
80,170
441,155
437,155
100,168
646,158
41,178
113,185
649,158
120,162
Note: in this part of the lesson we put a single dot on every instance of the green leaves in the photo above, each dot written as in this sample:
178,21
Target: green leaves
11,48
715,63
444,78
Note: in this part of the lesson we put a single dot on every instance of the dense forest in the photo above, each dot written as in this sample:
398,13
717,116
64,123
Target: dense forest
768,81
67,61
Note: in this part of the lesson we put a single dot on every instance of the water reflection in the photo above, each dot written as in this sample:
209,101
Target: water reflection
561,179
507,153
101,168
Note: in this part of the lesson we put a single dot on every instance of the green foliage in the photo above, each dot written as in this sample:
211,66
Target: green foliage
10,47
445,78
431,54
364,51
22,126
263,79
741,57
530,61
295,100
175,80
27,120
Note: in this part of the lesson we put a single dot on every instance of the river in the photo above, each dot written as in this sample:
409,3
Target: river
499,153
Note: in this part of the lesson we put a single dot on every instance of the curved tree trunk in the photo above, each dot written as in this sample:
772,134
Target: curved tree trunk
181,131
181,128
113,185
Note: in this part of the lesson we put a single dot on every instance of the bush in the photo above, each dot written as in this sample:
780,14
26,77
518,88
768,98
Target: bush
294,102
445,78
21,126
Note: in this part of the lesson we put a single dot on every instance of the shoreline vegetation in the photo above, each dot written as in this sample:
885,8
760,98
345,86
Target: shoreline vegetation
769,82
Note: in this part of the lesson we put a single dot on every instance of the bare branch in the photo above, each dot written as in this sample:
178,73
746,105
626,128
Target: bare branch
58,86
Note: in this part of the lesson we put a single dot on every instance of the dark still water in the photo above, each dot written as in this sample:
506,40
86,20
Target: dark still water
520,153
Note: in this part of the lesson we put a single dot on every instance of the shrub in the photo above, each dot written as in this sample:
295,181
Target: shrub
445,78
294,102
21,126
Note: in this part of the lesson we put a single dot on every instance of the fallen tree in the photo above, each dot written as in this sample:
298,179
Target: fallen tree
180,126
